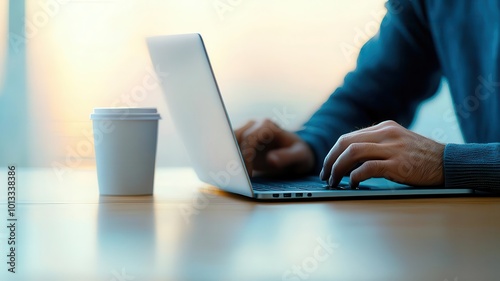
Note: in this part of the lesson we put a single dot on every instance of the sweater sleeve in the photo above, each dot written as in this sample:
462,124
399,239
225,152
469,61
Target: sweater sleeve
475,166
395,71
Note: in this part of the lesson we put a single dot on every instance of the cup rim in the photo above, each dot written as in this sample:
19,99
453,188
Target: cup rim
125,113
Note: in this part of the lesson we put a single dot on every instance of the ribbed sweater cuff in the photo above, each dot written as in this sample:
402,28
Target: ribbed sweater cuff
475,166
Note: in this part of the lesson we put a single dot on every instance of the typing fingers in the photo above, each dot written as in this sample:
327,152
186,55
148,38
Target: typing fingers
343,143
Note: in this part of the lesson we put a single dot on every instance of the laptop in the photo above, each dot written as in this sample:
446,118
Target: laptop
200,118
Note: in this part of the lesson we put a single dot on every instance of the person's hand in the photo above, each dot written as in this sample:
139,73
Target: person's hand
268,148
385,150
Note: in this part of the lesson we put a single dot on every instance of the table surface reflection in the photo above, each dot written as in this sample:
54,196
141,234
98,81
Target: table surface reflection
189,231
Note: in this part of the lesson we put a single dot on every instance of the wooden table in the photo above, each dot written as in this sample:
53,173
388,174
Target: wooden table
66,231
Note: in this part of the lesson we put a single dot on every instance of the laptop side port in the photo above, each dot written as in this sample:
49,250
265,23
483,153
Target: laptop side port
276,195
287,195
299,194
309,194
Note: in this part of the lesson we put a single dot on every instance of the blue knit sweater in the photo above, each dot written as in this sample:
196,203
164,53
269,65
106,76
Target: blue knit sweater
421,41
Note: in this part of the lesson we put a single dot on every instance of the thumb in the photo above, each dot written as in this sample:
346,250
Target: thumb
286,156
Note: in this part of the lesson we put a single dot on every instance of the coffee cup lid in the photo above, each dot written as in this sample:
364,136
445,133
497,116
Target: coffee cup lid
125,113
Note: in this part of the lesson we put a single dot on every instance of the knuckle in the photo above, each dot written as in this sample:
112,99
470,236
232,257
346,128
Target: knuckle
343,141
247,126
354,150
390,131
265,135
267,122
269,125
249,123
389,123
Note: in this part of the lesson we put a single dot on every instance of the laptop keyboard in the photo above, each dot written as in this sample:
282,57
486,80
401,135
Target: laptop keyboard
260,184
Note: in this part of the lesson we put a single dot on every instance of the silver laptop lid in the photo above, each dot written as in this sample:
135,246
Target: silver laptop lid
198,111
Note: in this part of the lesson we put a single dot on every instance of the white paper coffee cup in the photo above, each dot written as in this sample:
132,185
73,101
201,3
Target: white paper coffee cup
125,141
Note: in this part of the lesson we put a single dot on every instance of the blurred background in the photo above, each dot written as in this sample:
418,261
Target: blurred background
61,58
